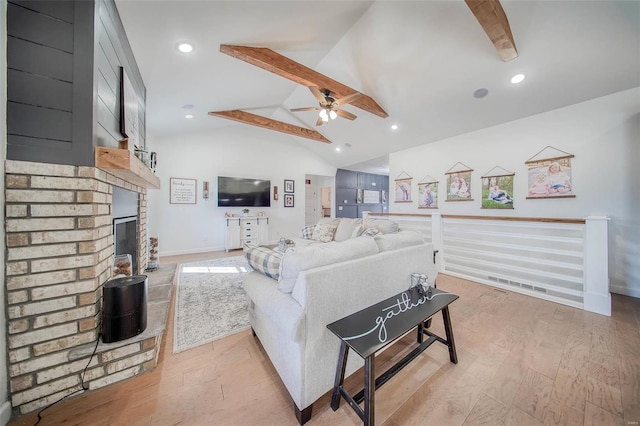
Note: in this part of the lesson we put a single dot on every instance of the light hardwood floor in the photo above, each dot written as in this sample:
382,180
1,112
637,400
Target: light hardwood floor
522,361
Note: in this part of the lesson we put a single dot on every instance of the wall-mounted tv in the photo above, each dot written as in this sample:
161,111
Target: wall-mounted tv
243,192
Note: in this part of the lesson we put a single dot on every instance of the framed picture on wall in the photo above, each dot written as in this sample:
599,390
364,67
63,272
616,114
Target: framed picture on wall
428,193
289,185
459,183
549,174
288,200
497,189
403,188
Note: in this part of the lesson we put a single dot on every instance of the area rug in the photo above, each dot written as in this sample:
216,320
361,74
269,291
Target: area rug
210,301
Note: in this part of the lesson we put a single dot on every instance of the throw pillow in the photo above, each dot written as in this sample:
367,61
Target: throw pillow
323,232
370,232
307,231
264,260
345,229
357,232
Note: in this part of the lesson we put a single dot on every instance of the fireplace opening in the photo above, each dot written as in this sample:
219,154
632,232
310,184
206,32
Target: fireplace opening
125,239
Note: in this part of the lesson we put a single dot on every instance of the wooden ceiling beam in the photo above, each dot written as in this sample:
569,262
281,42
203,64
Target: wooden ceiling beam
281,65
268,123
493,20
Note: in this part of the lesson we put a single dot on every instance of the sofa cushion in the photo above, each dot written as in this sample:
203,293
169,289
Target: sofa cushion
264,260
307,231
398,240
385,226
301,259
329,220
323,232
346,228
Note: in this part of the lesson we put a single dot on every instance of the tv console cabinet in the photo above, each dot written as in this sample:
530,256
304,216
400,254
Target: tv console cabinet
243,230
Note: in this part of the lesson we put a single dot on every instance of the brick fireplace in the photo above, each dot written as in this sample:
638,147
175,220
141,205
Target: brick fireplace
59,238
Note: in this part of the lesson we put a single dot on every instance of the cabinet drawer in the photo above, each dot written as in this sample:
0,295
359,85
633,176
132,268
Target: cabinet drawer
248,223
250,241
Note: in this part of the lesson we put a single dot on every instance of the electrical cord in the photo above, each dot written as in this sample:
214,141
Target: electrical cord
84,386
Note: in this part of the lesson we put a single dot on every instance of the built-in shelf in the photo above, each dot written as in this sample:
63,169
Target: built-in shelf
123,164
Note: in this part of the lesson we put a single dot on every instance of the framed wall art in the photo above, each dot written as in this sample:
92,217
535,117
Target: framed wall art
182,191
403,188
288,200
497,189
428,193
459,182
289,186
549,174
371,197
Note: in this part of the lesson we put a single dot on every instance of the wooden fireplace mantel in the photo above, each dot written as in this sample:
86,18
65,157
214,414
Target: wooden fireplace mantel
123,164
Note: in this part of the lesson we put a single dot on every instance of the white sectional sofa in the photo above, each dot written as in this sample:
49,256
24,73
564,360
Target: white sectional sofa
319,283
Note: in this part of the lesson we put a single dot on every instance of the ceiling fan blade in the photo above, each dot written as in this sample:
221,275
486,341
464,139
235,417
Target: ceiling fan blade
305,109
319,121
347,99
317,93
345,114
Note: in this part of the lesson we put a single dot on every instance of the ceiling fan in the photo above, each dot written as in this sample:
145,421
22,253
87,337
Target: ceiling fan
329,106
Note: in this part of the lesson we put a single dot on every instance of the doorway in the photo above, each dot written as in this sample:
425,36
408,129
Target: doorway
318,198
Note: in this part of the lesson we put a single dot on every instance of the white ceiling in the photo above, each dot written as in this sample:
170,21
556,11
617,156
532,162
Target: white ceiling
420,60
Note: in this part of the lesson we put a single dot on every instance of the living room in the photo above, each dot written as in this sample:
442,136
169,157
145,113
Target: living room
600,128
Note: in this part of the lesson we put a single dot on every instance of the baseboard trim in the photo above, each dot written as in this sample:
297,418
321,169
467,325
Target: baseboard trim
626,291
189,251
5,412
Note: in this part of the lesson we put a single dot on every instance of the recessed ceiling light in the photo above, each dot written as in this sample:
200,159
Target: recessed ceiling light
337,149
189,116
517,78
394,127
185,47
480,93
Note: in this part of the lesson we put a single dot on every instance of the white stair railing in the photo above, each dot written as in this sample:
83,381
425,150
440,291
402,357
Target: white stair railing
561,260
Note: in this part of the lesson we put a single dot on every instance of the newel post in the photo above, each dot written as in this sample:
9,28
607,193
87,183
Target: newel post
436,239
597,297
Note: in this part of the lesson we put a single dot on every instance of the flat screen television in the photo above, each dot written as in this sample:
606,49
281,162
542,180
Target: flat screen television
243,192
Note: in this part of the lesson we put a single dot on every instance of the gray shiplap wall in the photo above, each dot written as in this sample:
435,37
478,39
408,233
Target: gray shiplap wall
347,184
63,80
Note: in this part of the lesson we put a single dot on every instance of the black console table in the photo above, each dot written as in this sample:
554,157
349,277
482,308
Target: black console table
373,328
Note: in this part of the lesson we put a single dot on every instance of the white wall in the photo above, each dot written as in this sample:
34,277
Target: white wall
237,151
5,406
603,134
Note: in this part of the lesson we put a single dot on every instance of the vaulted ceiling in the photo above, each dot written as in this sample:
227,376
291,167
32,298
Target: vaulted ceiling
421,61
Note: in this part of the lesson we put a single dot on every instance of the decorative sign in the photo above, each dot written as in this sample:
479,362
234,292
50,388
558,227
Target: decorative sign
549,174
403,304
182,191
497,189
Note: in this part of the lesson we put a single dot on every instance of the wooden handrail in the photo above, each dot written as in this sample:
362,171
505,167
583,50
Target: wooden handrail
505,218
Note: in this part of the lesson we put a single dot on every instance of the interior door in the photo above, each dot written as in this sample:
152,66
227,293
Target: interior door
311,206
